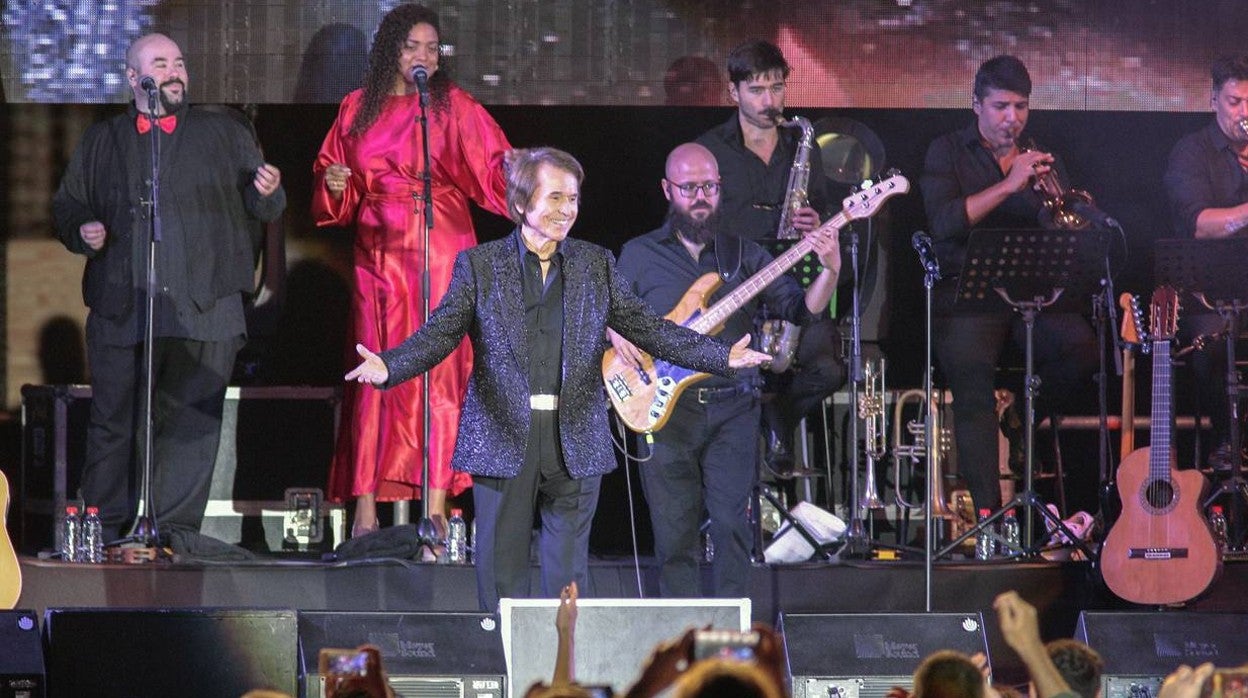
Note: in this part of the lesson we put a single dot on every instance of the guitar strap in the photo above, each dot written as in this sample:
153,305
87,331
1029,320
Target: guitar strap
728,250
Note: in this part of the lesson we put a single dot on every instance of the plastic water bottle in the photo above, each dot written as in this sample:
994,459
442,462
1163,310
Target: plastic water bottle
92,536
71,535
985,543
1217,522
456,538
1011,534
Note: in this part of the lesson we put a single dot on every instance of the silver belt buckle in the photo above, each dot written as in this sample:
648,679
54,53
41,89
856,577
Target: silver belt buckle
545,403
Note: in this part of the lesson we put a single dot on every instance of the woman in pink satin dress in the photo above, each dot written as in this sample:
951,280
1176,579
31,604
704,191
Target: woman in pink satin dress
368,175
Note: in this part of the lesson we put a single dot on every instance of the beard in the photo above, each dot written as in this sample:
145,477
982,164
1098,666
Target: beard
171,106
696,231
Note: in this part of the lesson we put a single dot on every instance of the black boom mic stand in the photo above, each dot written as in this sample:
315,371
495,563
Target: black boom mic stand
426,531
146,532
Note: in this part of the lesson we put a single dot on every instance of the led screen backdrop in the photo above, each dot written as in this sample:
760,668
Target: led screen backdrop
1140,55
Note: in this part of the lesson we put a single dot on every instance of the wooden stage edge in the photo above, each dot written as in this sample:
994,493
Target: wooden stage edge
1060,590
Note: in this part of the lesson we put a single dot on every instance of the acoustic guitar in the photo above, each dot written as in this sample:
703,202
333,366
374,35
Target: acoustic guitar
1160,551
10,571
644,394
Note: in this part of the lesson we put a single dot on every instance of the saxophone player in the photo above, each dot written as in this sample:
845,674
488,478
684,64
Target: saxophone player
978,177
756,155
1206,181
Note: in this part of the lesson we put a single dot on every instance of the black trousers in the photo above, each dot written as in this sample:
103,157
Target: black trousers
704,458
505,508
820,371
968,347
190,379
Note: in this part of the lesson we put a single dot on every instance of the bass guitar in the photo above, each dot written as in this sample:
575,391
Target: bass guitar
1160,551
643,394
10,571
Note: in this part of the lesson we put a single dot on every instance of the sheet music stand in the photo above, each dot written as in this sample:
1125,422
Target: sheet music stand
1212,271
1028,270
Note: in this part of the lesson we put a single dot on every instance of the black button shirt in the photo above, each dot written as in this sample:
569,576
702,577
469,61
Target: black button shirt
543,319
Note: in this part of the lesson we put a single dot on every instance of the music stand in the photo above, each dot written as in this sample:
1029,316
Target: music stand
1028,270
1212,271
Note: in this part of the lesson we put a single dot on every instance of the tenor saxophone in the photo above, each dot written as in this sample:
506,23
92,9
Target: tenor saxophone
797,196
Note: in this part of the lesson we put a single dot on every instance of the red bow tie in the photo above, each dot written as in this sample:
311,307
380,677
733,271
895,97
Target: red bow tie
167,123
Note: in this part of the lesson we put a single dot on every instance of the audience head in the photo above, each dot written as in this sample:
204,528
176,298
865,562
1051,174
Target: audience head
948,674
726,678
1079,664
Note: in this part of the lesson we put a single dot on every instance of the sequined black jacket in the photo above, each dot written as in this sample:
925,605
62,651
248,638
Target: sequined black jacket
484,301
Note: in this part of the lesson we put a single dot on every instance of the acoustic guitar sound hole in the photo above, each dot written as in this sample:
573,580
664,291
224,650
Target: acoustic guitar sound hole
1160,494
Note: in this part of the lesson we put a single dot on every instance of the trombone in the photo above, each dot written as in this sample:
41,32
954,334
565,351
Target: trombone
933,451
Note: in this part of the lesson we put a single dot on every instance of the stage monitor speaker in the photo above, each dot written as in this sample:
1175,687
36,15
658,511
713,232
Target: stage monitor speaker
1141,648
208,652
614,637
863,655
21,655
425,655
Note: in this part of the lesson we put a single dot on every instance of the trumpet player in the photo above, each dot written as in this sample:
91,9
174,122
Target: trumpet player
756,156
979,177
1206,181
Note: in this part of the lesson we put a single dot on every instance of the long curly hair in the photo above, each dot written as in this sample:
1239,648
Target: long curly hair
383,59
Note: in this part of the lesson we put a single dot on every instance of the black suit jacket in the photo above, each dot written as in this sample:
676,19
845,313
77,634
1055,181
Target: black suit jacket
485,302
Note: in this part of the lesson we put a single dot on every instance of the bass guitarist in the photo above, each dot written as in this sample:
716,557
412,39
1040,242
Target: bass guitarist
705,456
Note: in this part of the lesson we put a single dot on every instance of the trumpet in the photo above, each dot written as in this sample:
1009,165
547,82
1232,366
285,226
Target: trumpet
875,435
1062,203
1242,125
932,450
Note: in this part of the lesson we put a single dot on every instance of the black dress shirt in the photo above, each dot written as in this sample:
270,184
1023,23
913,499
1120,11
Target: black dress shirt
660,270
1203,172
754,191
957,166
543,319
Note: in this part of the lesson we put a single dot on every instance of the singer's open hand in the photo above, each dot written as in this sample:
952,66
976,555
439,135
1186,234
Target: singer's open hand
372,370
336,176
742,356
268,179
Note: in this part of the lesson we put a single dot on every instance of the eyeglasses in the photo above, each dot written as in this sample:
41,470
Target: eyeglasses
690,189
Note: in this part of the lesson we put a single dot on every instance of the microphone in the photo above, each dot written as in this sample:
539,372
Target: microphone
420,76
148,84
922,243
1092,213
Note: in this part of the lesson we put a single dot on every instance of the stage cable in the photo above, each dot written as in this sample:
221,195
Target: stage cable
622,446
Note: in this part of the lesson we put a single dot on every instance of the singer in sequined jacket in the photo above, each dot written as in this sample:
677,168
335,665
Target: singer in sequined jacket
484,301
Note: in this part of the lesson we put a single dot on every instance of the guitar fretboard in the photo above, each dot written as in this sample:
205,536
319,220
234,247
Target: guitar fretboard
1162,414
719,313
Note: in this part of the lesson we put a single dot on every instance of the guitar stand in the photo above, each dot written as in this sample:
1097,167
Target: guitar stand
1041,265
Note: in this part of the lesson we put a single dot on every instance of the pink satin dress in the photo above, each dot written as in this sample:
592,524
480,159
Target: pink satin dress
379,441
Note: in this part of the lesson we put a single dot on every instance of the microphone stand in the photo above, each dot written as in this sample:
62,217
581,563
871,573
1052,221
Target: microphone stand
146,532
857,540
931,274
426,531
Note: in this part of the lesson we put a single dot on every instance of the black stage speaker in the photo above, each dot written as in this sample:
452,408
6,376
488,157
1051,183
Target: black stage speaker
862,655
1141,648
434,655
209,652
21,655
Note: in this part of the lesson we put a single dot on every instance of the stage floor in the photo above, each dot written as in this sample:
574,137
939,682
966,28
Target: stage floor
1060,590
